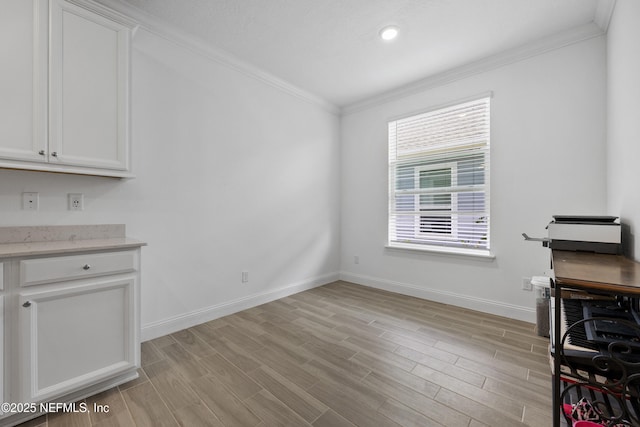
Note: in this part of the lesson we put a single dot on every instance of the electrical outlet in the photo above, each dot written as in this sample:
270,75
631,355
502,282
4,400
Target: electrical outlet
526,284
245,276
356,259
30,201
76,202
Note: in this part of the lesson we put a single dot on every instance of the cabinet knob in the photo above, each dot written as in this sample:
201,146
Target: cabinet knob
86,267
41,152
54,154
27,304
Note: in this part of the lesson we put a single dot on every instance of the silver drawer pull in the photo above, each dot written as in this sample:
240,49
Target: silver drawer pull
27,304
86,267
54,154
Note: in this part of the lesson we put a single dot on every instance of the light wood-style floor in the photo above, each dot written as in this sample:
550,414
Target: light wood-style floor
338,355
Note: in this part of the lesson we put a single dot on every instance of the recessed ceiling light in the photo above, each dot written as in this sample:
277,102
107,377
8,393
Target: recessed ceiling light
389,33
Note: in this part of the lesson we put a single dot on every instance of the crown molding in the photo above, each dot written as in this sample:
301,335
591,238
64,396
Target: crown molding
604,11
197,46
107,12
535,48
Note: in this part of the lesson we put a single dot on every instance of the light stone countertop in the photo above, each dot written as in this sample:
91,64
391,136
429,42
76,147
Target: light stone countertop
51,240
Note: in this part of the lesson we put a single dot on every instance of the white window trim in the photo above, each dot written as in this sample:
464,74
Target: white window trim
441,250
480,253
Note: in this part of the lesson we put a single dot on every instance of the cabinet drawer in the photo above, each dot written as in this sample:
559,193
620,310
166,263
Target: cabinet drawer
56,269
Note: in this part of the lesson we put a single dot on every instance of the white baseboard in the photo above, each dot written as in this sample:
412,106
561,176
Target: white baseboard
196,317
526,314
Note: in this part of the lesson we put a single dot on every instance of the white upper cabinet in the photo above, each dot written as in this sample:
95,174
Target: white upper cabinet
89,88
23,80
67,86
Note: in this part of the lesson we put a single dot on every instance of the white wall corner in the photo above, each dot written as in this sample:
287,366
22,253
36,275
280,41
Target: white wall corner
604,12
196,317
497,308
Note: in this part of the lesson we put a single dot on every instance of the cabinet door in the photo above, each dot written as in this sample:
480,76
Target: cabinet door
23,80
2,398
77,335
89,78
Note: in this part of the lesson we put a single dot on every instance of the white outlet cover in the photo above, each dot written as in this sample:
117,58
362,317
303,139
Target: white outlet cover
76,201
30,201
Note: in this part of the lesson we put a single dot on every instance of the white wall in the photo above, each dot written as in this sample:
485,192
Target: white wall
547,157
232,174
623,119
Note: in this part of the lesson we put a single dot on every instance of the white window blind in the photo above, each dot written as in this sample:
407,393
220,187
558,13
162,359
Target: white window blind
439,178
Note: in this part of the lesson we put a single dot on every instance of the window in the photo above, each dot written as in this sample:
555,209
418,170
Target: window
435,177
438,179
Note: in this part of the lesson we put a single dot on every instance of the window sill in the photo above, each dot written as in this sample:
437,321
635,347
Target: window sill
474,253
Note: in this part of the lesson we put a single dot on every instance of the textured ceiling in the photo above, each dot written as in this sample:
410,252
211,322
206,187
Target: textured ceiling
331,47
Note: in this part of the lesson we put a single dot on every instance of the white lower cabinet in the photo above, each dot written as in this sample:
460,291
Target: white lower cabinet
71,326
2,398
76,335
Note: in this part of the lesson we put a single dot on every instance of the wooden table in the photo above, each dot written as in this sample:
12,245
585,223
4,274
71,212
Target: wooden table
601,273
